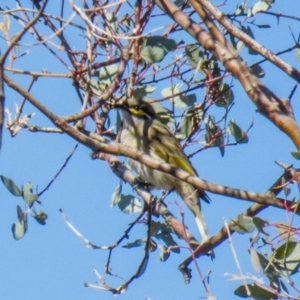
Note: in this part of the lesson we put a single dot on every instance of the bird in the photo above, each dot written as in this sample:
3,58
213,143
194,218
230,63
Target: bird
142,130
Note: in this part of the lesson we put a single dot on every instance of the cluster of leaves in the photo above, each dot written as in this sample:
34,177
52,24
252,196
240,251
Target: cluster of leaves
278,262
158,232
20,227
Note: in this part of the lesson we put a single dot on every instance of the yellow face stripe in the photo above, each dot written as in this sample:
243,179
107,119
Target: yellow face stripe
137,112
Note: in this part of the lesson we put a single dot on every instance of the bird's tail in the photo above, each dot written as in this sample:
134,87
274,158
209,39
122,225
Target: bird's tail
193,202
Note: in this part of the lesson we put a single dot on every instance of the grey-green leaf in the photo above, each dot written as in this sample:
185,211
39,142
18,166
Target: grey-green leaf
255,260
40,217
130,204
195,55
258,71
20,227
11,186
108,73
260,6
164,253
155,48
116,195
297,53
256,292
296,154
143,267
239,135
136,243
28,196
225,96
244,224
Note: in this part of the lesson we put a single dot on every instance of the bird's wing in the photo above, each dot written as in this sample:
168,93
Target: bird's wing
166,146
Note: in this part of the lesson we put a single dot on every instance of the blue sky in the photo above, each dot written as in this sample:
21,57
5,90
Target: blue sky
51,262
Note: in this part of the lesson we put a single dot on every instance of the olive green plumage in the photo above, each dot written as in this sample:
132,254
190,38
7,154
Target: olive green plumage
141,130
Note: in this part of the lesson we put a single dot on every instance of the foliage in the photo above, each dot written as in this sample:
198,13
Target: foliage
188,60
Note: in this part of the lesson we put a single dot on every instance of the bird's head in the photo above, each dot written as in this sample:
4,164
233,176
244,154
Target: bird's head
137,107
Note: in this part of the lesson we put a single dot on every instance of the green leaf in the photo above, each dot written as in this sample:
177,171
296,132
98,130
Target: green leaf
260,224
108,73
11,186
239,135
164,253
142,91
297,53
255,260
263,26
241,9
214,135
170,91
255,292
284,231
116,195
258,71
287,258
164,115
143,267
195,55
155,48
113,22
28,196
130,204
136,243
152,245
285,250
224,96
185,128
169,241
296,154
244,224
248,31
152,54
261,6
20,227
40,217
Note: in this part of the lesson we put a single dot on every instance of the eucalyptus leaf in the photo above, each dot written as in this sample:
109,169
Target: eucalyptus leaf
143,267
260,6
28,195
136,243
297,53
256,292
116,195
40,217
255,260
152,54
195,55
113,21
244,224
258,71
164,253
296,154
155,48
11,186
130,204
239,135
224,96
20,227
108,73
248,31
260,224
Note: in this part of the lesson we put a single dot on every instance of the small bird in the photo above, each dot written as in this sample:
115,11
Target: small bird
143,131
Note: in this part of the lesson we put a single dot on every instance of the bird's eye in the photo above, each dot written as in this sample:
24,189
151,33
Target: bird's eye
137,107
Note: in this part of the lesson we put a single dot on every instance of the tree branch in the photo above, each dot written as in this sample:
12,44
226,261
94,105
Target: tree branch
275,109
